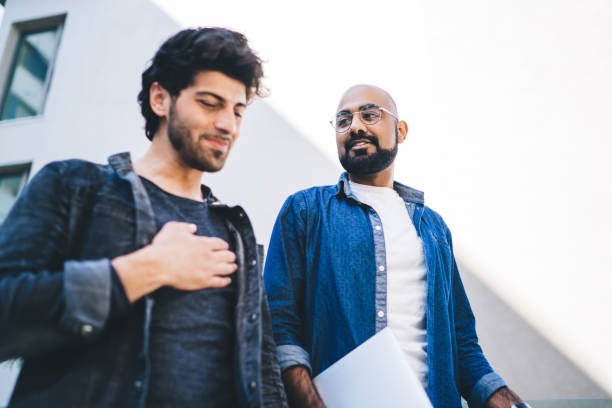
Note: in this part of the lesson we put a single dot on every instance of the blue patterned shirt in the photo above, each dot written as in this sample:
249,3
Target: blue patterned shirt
325,277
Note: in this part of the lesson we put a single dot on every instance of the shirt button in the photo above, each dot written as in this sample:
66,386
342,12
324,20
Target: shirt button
381,313
138,384
381,268
377,228
86,329
253,317
252,385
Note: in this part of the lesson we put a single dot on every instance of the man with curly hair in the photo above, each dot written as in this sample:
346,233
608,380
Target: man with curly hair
130,284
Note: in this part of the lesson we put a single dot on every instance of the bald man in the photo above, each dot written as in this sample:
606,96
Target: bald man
348,260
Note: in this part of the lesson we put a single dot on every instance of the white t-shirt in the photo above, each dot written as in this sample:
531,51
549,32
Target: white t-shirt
406,273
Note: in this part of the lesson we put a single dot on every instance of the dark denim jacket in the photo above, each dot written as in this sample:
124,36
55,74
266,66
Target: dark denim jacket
325,277
56,306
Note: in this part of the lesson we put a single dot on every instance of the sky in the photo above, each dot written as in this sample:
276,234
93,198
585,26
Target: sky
508,106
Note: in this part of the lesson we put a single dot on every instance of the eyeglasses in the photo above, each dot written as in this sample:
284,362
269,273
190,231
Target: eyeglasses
369,116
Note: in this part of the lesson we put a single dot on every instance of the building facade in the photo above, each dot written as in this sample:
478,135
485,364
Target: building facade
69,76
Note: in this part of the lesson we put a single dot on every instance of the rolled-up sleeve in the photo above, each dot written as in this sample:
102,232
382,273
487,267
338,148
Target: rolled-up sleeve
47,301
291,355
87,293
484,388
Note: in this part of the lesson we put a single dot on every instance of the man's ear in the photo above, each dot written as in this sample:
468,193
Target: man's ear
402,131
159,99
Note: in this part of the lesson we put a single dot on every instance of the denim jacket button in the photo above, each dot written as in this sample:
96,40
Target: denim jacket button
252,385
138,384
86,329
253,317
253,262
241,214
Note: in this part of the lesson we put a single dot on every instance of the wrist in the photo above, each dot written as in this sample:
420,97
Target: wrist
139,273
152,266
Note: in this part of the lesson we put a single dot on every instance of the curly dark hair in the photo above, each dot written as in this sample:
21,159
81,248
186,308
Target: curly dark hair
190,51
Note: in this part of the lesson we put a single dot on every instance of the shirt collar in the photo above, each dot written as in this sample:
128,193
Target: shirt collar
408,194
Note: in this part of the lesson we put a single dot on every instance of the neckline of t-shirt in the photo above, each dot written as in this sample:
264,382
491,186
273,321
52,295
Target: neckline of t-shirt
174,196
373,189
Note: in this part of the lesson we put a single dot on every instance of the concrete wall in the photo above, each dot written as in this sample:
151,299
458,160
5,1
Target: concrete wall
91,112
533,367
91,102
90,108
508,104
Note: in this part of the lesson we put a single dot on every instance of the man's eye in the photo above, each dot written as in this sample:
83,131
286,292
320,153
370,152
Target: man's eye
343,120
207,104
368,115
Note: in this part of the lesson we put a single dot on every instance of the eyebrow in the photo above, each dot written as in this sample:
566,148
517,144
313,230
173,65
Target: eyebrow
219,98
362,107
368,106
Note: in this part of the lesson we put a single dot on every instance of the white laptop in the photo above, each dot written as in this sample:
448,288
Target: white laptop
375,374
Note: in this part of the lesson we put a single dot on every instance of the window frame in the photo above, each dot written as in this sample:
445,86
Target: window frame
18,32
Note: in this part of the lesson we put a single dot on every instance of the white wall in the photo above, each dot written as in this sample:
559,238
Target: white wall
508,105
91,112
91,108
519,157
87,111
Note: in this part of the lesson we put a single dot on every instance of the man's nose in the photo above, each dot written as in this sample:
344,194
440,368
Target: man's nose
226,122
356,124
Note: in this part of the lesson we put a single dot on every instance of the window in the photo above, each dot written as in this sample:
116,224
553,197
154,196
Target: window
12,180
32,65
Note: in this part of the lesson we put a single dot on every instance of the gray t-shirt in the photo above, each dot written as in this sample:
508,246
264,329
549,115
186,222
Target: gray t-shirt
192,332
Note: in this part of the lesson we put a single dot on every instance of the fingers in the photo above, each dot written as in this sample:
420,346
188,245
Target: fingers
219,282
173,230
225,268
214,243
225,262
224,256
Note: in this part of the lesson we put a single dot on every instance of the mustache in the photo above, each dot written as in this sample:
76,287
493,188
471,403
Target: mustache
360,135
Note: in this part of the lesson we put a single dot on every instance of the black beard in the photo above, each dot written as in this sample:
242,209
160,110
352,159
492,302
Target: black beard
180,139
363,164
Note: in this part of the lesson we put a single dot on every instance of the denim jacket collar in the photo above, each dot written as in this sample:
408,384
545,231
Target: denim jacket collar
145,218
408,194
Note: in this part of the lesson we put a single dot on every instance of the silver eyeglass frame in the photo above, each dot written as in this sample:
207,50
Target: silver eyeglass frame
387,111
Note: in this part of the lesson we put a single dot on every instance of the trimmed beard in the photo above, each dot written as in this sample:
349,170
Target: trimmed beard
189,151
364,164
